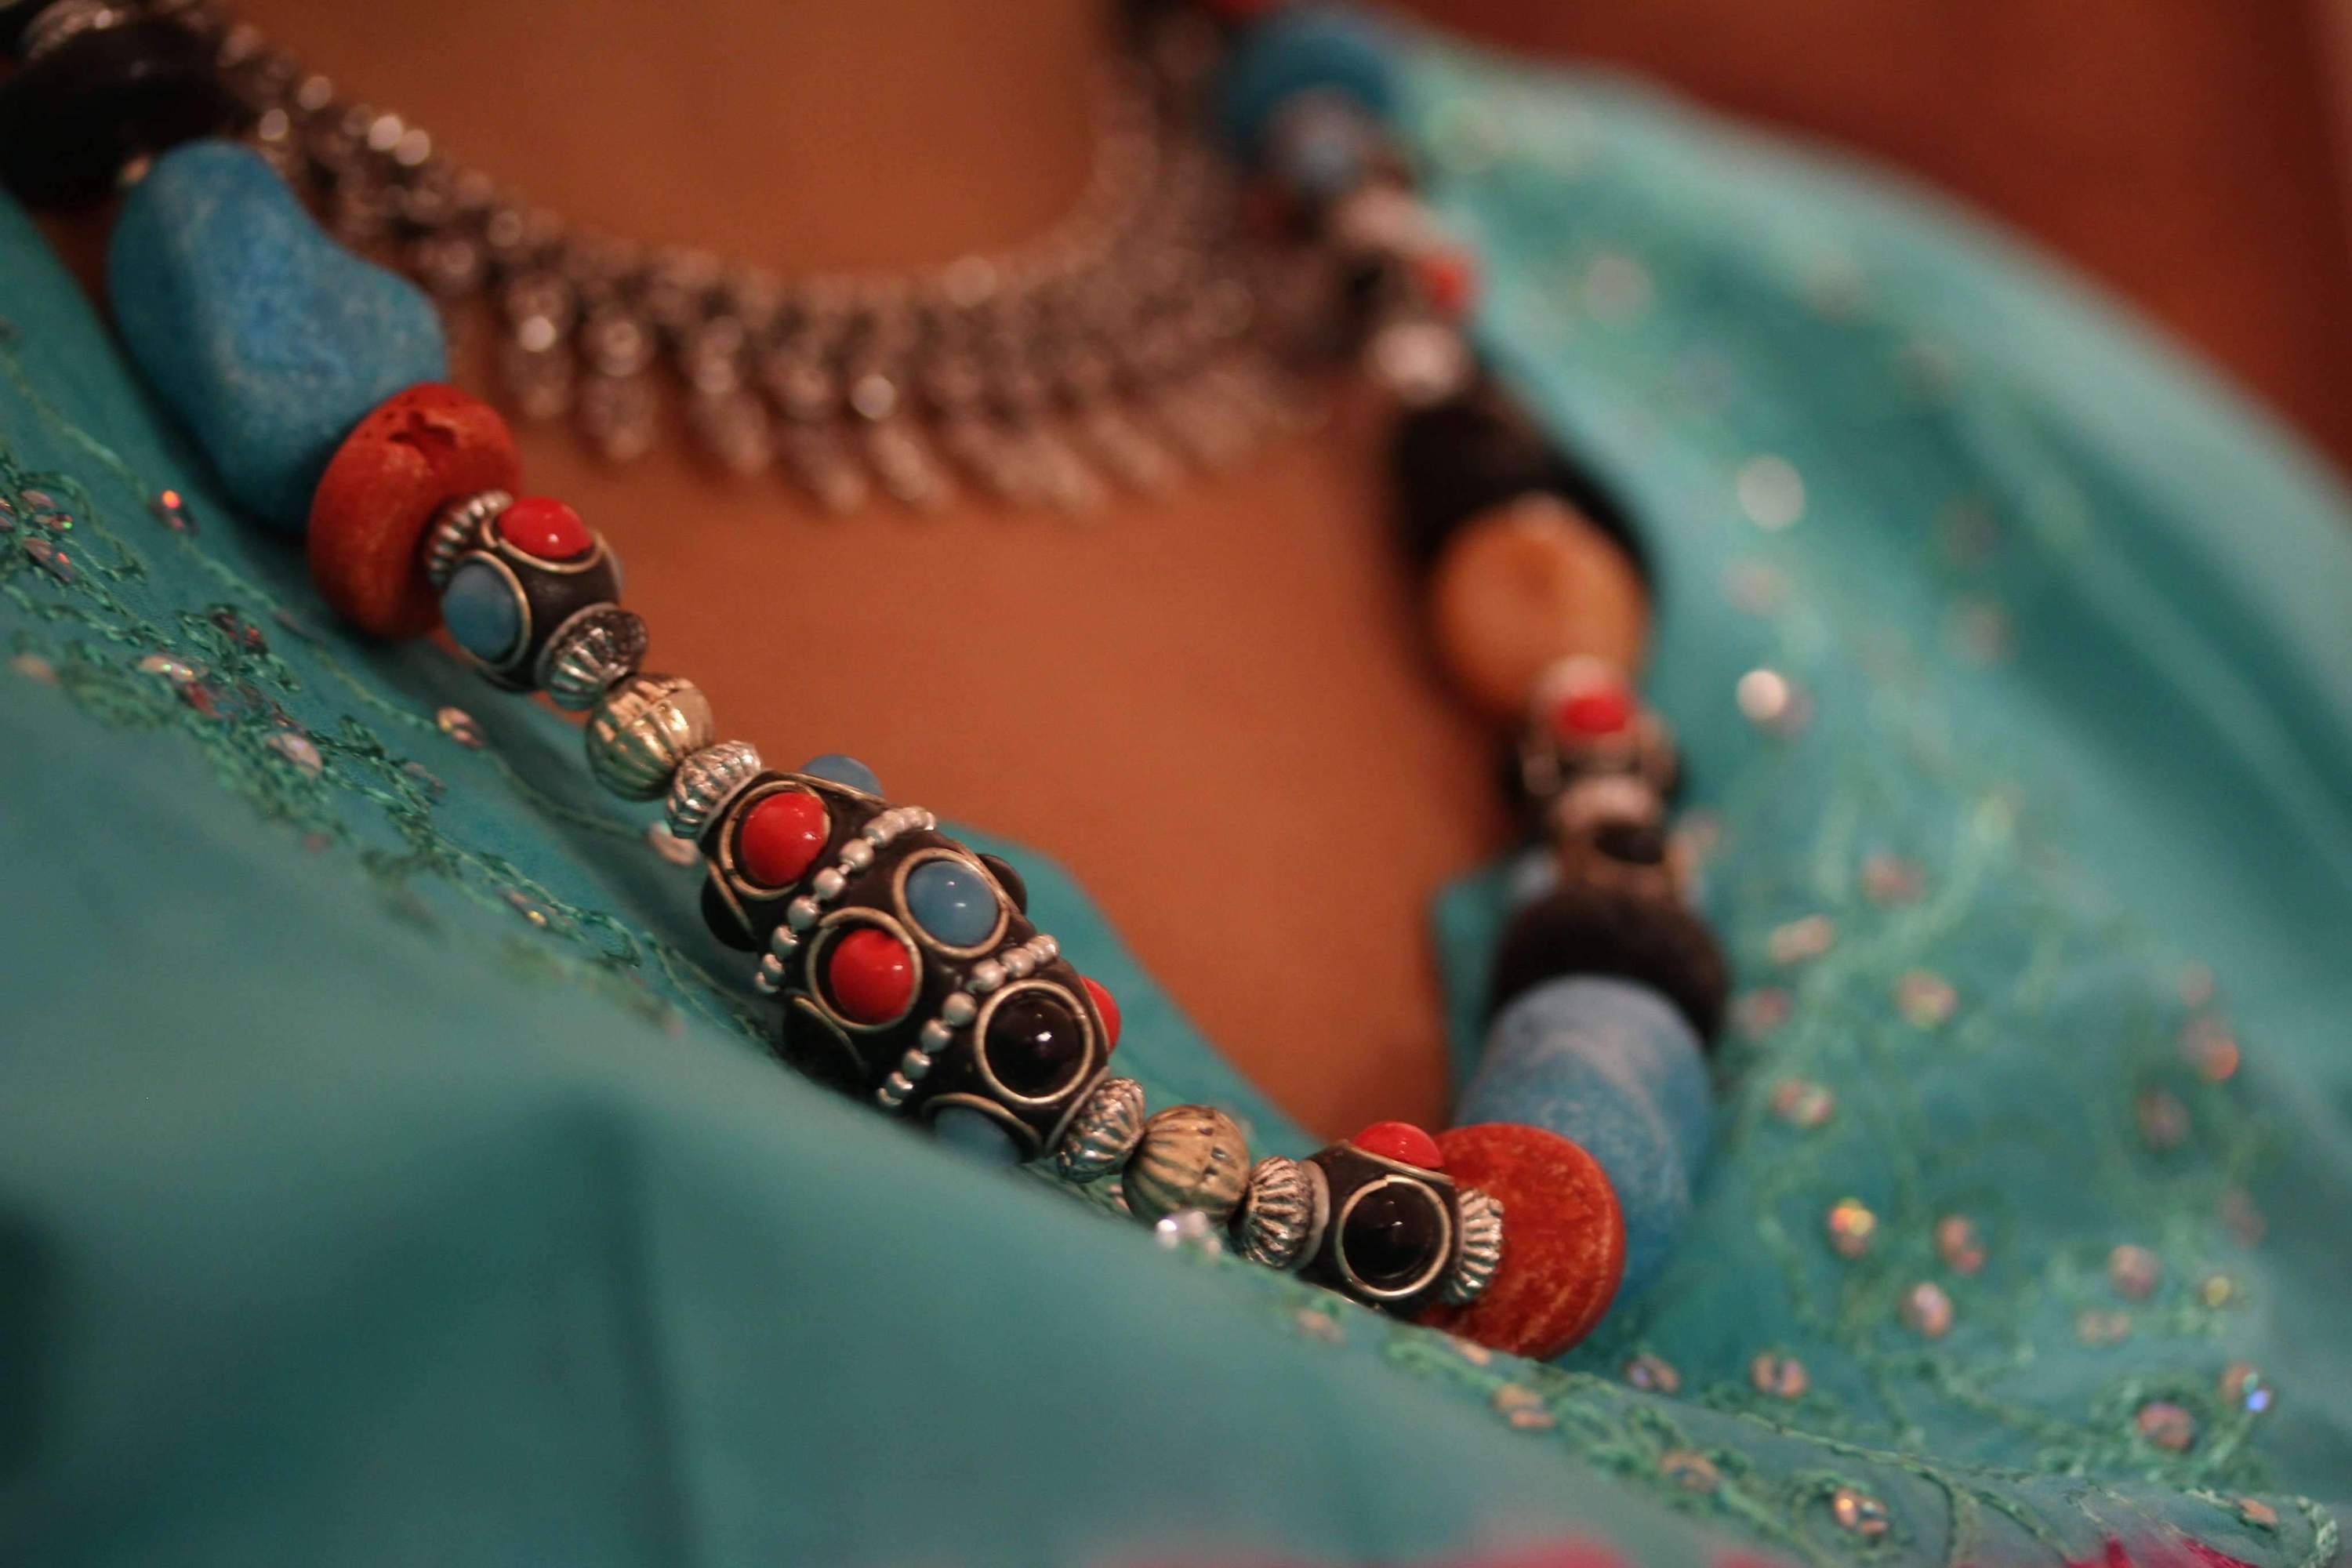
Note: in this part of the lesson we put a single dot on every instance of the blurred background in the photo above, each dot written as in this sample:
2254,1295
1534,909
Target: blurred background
2194,155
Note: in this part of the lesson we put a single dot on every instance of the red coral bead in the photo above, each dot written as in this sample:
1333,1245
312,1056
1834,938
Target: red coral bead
1593,712
1563,1239
870,976
545,528
780,838
1106,1004
1401,1141
425,447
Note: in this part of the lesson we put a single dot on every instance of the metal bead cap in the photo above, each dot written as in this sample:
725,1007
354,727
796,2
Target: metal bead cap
599,645
1280,1212
1190,1157
643,729
1102,1132
1482,1247
458,528
705,782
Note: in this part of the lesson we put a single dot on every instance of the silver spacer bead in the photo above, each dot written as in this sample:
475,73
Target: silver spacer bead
958,1009
588,654
1020,962
1279,1211
705,782
986,976
802,912
828,883
458,528
1482,1247
1190,1157
642,730
857,855
1102,1132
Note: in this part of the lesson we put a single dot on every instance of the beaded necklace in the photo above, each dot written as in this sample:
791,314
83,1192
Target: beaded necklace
905,966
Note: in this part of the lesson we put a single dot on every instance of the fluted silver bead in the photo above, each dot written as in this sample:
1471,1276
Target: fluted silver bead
456,527
1102,1132
705,782
1190,1157
643,729
601,646
1482,1247
1279,1213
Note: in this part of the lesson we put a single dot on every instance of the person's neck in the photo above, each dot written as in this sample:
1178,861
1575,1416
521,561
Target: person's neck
887,133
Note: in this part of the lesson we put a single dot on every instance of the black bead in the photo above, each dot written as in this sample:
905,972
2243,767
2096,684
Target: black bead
1008,878
1394,1231
15,16
1631,932
70,120
1034,1042
1391,1234
1478,449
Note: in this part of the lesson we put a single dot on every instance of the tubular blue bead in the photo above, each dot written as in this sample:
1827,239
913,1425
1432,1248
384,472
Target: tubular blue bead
1304,48
269,340
1616,1068
843,770
480,610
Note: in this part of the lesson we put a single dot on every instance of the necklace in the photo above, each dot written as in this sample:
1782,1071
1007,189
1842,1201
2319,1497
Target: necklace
905,966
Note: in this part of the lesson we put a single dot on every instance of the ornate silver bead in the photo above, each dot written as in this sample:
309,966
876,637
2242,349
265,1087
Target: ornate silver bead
1282,1212
601,645
1102,1132
1190,1157
705,782
642,730
1482,1247
456,527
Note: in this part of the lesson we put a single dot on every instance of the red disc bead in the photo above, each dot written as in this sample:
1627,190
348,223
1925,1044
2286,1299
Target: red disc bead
427,445
1401,1141
870,975
1563,1239
1594,712
545,528
1105,1003
780,838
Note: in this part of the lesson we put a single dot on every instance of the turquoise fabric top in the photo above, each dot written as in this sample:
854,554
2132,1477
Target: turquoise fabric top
390,1172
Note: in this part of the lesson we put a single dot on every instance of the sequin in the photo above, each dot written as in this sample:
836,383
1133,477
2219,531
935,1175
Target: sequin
50,559
1472,1352
1926,1000
1859,1513
33,666
2094,1327
171,509
2167,1425
1800,940
1956,1240
2216,1289
300,750
1522,1406
1758,1012
1771,493
459,726
1803,1103
2242,1385
1782,1376
1927,1310
529,909
1891,879
1652,1374
1850,1226
2134,1270
2163,1119
1771,701
2209,1048
2258,1513
1689,1469
170,668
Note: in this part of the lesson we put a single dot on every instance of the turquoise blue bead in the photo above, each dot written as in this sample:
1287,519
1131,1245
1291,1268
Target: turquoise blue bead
1304,48
480,609
843,770
1615,1067
952,901
267,338
976,1134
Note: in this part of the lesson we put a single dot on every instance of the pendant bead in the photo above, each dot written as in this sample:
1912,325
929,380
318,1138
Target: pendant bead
383,491
643,729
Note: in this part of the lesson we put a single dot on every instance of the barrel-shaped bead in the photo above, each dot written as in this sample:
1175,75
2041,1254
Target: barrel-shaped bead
1615,1067
269,340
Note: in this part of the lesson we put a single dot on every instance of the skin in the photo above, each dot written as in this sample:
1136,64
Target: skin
1217,709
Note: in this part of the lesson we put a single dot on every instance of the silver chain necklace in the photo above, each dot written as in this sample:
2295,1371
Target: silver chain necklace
1139,337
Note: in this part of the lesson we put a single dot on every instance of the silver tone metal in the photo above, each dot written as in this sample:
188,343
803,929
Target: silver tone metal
54,26
704,784
1190,1157
597,647
1041,373
642,730
1102,1132
1280,1212
1482,1247
458,528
